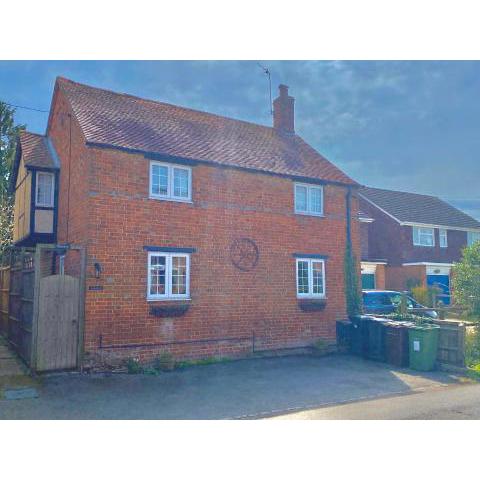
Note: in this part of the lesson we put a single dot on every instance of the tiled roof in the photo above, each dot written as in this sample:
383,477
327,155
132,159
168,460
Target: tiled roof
36,151
416,208
124,121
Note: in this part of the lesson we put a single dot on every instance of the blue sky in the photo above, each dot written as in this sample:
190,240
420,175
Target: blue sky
410,126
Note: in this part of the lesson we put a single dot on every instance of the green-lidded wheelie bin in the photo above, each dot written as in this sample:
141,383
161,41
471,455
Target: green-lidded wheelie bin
422,346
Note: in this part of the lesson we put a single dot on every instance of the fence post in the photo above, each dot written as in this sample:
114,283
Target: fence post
81,306
36,297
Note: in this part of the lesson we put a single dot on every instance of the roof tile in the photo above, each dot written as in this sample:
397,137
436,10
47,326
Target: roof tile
417,208
124,121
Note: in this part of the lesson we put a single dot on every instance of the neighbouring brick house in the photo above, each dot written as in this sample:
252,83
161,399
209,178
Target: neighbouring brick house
408,237
204,234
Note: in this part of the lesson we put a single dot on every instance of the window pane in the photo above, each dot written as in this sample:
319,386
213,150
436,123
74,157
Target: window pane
317,275
316,200
423,236
443,238
416,238
300,198
159,180
179,275
426,236
180,182
158,267
302,272
44,189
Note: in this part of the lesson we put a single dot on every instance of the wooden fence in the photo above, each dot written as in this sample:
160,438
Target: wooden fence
4,299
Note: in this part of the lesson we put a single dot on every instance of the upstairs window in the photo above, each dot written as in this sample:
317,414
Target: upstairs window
170,182
423,237
473,237
308,199
44,189
443,238
168,276
310,278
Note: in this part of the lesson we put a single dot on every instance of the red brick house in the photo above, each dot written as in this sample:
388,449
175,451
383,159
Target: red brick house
204,235
409,237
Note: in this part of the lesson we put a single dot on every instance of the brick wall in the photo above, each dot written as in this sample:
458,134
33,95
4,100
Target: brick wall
380,280
396,278
111,214
363,226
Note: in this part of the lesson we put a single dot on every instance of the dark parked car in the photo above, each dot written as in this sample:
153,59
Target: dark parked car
387,301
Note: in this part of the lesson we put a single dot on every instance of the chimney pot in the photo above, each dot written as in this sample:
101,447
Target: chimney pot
284,111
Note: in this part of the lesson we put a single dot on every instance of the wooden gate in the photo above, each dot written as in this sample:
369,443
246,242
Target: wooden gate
57,323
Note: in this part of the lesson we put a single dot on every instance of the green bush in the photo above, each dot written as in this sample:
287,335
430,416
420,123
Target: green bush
466,279
425,295
133,365
472,347
406,317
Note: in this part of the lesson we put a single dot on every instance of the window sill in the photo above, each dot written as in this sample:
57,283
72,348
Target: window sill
169,199
169,299
308,214
310,304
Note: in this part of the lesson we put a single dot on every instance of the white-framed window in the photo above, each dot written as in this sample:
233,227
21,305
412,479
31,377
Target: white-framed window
170,182
310,278
442,234
44,189
308,199
168,275
423,237
473,237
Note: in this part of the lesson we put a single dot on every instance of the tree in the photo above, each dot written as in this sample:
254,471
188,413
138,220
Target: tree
466,279
352,289
8,137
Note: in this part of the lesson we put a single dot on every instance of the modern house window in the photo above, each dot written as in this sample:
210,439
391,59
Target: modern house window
473,237
170,182
423,237
44,190
443,238
308,199
168,276
310,278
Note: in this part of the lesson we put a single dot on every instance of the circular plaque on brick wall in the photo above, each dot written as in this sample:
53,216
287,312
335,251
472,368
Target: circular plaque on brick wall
244,254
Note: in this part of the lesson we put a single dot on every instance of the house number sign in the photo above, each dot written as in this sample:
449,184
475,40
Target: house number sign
244,254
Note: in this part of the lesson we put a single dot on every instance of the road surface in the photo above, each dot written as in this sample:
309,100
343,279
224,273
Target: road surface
460,402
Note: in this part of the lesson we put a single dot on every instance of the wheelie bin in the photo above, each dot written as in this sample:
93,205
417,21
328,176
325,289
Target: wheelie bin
376,339
423,345
396,343
360,335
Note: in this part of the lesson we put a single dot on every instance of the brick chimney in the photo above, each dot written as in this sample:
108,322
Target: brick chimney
284,111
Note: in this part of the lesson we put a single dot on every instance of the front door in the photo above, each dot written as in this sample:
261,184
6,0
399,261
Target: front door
442,282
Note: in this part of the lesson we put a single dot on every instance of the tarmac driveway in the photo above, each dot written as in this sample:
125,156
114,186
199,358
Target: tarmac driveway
250,388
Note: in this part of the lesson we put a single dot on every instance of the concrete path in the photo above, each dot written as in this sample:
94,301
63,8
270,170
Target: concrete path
251,388
10,364
454,403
